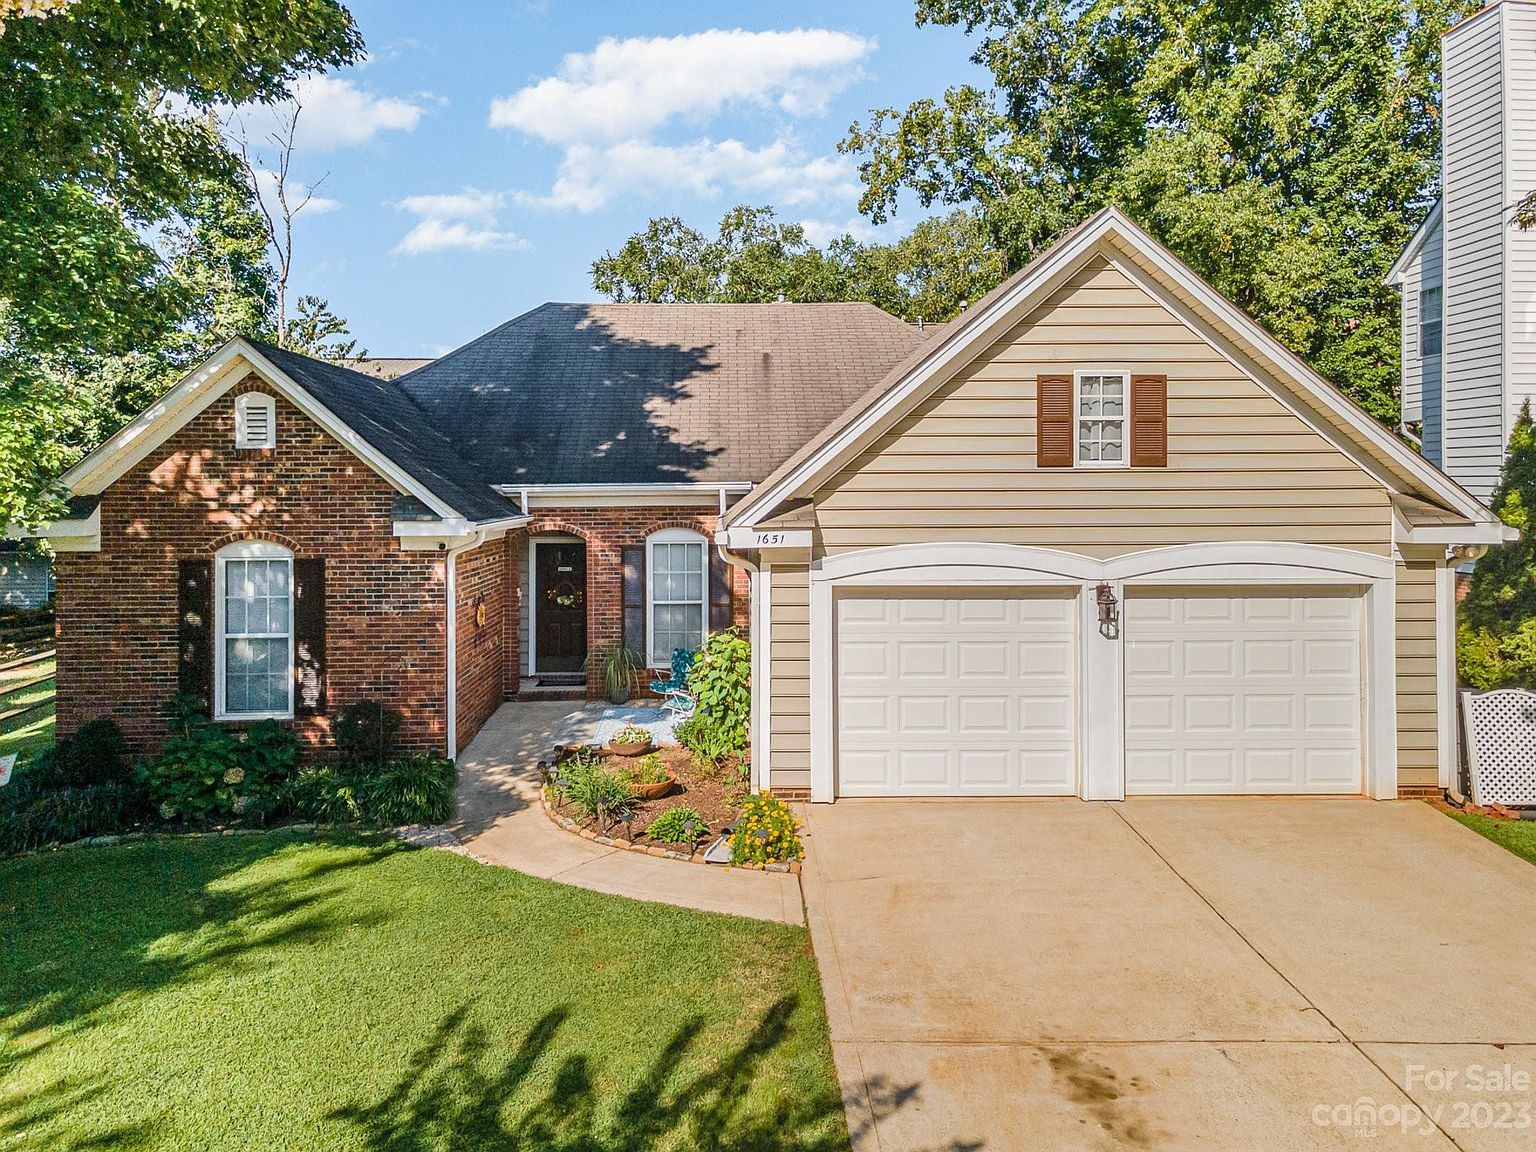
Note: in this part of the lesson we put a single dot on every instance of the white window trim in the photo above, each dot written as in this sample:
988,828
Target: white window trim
1439,321
1125,419
246,550
243,404
672,536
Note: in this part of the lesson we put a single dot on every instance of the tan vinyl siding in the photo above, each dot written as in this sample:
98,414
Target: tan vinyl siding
1417,730
1241,466
789,709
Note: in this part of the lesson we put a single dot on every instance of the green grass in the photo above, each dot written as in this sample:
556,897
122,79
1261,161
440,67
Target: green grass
285,992
20,674
29,734
1519,836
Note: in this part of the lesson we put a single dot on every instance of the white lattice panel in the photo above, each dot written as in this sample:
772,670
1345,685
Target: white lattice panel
1501,745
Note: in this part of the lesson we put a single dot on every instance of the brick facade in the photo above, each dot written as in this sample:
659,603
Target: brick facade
606,532
481,594
117,608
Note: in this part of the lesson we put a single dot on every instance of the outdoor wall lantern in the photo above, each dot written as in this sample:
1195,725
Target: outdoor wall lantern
1109,611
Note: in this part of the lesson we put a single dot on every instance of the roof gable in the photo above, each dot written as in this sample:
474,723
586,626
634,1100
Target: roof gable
1239,338
372,419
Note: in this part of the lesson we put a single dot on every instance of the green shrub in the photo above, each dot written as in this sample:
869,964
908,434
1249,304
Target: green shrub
205,772
1496,634
678,825
95,754
32,817
765,833
319,792
647,769
592,789
711,746
721,682
412,790
367,732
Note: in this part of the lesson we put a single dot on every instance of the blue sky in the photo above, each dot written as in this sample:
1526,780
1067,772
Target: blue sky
486,153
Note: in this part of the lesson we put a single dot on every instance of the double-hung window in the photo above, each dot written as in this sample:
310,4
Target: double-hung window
1431,303
679,593
253,588
1100,407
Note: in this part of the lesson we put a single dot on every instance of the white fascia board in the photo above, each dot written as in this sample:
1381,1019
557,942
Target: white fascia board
441,535
956,349
1453,535
82,535
200,388
756,539
1416,243
680,493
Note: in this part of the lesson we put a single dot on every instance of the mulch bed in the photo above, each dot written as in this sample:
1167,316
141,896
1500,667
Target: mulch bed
716,795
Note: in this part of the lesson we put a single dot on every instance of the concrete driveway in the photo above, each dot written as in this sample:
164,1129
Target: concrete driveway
1205,973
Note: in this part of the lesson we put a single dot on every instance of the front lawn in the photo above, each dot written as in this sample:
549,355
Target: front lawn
1519,836
281,991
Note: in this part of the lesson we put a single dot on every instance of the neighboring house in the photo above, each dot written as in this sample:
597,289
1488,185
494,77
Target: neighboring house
386,367
26,577
1101,535
1468,276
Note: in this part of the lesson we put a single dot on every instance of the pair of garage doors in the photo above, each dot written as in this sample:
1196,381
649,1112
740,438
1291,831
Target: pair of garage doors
978,693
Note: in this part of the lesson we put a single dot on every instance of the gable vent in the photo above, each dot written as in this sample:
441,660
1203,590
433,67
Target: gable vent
255,421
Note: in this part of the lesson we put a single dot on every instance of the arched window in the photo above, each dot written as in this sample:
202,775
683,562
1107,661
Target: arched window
677,579
253,630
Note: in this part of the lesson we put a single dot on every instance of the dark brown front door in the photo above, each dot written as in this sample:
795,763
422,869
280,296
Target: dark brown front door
560,606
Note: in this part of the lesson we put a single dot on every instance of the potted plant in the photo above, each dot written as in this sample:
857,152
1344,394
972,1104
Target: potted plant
648,777
619,673
630,740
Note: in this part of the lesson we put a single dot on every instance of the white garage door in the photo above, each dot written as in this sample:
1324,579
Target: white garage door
1243,693
952,695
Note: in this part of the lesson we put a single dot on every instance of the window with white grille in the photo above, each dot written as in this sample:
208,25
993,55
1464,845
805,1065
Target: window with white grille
255,421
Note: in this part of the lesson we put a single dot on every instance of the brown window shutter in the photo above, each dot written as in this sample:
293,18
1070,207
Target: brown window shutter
1149,421
719,590
634,600
1053,421
194,629
309,636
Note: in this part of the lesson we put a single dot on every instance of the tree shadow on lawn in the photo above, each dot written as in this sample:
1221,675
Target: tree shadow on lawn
452,1095
82,931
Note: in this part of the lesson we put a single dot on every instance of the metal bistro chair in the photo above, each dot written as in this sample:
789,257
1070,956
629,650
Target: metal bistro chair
678,702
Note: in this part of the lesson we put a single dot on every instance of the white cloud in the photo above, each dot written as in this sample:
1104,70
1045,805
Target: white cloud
464,220
823,232
336,113
606,109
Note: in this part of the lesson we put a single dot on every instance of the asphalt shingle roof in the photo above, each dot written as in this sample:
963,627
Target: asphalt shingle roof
382,414
654,393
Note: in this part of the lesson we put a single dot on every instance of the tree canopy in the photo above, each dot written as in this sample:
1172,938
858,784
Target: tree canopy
130,244
1284,148
929,274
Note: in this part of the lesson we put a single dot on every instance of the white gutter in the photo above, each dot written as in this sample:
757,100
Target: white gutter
451,584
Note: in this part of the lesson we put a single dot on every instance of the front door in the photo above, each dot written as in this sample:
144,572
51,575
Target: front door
559,606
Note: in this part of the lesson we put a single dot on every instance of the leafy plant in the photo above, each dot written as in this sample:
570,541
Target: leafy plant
204,771
1496,640
319,792
711,746
632,734
678,825
414,789
619,668
95,754
721,682
367,732
32,817
592,789
648,769
767,832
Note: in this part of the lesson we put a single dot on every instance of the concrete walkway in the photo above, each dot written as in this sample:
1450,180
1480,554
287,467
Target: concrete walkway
1215,973
498,819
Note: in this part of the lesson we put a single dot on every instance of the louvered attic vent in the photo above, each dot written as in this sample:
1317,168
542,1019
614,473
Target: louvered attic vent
255,421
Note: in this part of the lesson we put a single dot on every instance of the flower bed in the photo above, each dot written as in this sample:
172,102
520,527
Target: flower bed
712,799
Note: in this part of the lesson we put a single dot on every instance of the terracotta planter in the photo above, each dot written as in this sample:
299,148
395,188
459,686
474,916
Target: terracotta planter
630,749
654,791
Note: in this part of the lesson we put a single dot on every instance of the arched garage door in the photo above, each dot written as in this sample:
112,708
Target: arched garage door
1243,691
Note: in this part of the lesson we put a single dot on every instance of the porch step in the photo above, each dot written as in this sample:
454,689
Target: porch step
530,689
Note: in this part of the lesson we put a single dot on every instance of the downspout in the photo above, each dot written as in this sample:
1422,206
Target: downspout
759,705
451,584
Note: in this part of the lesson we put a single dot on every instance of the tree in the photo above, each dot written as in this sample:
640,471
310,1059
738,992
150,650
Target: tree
929,274
1496,639
317,331
1284,148
121,253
